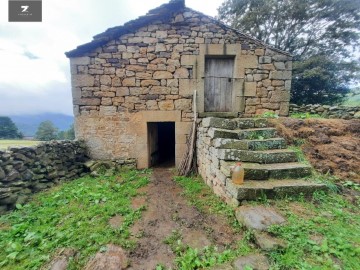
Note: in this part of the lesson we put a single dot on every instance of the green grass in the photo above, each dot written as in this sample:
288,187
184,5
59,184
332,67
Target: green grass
202,197
4,144
352,100
74,215
325,236
305,115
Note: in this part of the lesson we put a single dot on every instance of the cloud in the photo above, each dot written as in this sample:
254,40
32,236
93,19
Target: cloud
54,97
35,74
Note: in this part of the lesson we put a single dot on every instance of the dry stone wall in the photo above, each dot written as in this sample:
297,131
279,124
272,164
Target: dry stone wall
326,111
26,170
209,163
154,69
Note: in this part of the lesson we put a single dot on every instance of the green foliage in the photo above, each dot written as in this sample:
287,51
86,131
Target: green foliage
74,215
322,36
46,131
321,79
326,236
188,258
67,134
202,197
268,115
304,115
8,129
353,98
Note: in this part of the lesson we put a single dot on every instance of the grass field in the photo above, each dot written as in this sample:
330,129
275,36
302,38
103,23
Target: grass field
4,144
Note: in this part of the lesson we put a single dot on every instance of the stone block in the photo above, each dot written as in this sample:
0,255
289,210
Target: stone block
259,52
161,34
182,127
264,59
160,90
146,83
284,109
186,87
183,104
248,61
258,217
122,91
271,106
129,82
162,75
166,105
250,89
252,261
87,101
181,73
105,80
152,105
188,60
280,75
135,68
288,85
160,47
279,65
85,60
82,80
280,96
250,110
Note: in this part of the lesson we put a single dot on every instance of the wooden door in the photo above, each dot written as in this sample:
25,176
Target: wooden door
218,84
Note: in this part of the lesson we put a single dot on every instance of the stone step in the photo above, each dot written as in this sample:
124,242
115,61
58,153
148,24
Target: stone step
263,157
243,134
253,189
237,123
254,145
256,171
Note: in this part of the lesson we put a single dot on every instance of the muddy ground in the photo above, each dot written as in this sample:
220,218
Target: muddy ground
167,210
331,145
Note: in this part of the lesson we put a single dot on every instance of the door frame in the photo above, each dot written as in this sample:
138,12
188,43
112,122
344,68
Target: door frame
240,62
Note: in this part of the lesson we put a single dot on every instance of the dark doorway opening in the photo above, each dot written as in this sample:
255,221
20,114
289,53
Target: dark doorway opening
161,138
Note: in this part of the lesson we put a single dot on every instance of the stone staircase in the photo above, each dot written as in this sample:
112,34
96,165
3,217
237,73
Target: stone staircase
271,168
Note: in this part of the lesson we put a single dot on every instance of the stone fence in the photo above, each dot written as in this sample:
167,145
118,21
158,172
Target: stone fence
342,112
27,170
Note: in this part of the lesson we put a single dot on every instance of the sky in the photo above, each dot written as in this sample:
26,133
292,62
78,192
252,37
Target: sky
34,72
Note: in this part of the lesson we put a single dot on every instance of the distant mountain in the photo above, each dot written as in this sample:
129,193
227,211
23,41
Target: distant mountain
28,124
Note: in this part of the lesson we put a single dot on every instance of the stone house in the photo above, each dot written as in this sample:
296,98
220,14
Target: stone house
133,85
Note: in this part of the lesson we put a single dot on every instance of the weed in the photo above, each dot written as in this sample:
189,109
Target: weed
326,237
299,154
255,135
305,115
351,185
188,258
267,115
74,215
202,197
173,239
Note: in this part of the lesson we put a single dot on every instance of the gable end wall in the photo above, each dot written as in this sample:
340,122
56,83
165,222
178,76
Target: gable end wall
150,76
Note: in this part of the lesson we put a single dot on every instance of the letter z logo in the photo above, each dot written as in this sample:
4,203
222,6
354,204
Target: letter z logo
24,8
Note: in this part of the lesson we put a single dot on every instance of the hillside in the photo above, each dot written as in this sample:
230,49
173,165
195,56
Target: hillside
331,145
28,124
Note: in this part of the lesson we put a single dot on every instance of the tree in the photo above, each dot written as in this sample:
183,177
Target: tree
67,134
8,129
46,131
311,30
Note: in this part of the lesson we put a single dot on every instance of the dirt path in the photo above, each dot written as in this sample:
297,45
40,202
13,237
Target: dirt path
168,210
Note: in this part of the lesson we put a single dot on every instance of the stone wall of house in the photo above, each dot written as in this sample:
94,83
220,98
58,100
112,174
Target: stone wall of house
26,170
150,76
342,112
